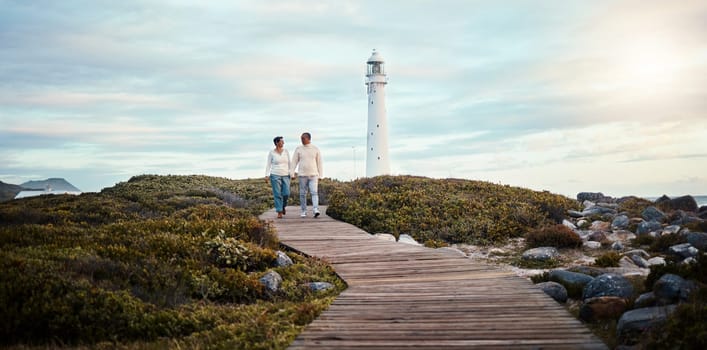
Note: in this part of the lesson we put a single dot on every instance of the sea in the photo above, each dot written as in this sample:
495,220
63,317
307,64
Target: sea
701,200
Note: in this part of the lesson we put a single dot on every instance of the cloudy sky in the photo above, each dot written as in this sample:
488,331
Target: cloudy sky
565,96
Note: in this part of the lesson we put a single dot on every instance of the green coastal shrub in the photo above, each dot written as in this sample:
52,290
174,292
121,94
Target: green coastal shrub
156,262
450,210
558,236
608,259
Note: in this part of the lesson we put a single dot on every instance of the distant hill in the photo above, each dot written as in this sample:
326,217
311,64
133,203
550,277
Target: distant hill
8,191
56,184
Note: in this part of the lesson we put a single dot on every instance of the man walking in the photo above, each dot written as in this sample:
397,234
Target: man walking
308,162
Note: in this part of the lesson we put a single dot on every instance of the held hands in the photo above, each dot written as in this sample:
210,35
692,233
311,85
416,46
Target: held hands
267,179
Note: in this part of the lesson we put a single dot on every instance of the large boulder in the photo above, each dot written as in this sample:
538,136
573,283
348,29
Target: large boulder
697,240
686,203
648,226
670,288
574,282
554,290
634,323
620,222
592,197
602,308
685,250
608,284
680,217
653,214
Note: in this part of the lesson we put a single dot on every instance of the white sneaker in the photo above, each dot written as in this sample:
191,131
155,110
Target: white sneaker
303,214
316,213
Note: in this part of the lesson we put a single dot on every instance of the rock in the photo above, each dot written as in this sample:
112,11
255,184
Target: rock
680,217
667,288
628,272
634,323
617,246
592,196
597,236
282,259
271,280
582,223
640,261
574,213
602,308
554,290
497,252
627,262
688,261
697,240
685,250
672,229
621,236
620,222
644,300
407,239
597,210
569,224
686,203
320,286
653,214
600,226
586,270
640,252
574,282
608,284
656,261
385,236
702,212
541,254
591,245
648,226
662,199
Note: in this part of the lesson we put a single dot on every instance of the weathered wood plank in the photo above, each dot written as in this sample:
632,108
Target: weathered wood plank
403,296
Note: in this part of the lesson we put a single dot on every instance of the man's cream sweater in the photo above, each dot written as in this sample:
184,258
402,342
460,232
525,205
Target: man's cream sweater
307,161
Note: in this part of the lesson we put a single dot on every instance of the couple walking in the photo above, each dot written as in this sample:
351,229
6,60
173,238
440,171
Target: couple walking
280,168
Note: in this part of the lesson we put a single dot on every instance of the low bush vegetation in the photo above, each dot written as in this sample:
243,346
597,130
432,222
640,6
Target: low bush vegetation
450,210
155,262
608,259
558,236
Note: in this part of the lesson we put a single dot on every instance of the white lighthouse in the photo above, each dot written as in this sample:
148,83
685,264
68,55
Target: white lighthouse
377,161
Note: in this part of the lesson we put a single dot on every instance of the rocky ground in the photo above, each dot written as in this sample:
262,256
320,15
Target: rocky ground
626,229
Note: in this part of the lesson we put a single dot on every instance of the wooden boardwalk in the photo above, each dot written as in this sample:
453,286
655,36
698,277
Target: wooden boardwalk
401,296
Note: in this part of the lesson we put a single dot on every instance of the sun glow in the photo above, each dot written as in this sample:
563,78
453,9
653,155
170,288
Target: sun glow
650,63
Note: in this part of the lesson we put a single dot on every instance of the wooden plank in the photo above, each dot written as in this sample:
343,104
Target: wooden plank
403,296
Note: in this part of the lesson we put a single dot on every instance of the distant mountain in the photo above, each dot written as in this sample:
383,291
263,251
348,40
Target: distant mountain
8,191
56,184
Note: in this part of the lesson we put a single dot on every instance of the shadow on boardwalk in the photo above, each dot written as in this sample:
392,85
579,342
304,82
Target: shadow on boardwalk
405,296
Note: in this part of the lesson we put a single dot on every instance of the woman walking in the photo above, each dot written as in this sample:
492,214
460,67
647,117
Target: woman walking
277,173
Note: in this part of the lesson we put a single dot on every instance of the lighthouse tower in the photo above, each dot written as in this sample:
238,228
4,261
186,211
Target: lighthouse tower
377,161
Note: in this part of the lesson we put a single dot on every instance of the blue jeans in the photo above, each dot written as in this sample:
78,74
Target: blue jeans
311,183
280,190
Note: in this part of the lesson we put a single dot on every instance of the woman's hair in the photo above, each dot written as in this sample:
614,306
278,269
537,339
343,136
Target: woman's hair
276,140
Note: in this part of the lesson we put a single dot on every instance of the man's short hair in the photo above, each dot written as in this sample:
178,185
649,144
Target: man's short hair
309,136
276,140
